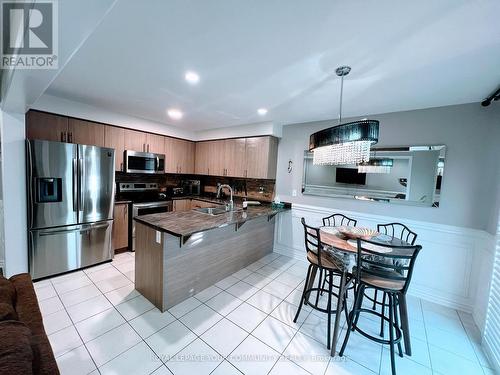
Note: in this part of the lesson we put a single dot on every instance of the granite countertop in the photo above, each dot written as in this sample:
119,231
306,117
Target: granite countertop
186,223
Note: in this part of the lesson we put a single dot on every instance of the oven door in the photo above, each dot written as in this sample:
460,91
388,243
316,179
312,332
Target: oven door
139,209
144,162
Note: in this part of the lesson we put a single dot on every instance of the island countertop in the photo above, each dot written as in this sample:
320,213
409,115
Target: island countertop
186,223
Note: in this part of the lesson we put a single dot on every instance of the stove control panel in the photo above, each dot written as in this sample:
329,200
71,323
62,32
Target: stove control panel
137,186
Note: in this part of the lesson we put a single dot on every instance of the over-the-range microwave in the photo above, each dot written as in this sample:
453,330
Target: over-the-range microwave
144,162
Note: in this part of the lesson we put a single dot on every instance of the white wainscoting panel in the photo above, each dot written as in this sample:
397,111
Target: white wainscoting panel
453,268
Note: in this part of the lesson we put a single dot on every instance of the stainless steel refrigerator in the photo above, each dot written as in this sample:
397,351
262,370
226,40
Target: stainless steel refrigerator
70,206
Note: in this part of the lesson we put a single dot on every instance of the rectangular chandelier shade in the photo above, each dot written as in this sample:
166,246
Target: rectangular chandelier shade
344,144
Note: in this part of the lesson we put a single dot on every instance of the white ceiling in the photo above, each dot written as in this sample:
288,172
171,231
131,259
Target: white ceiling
282,55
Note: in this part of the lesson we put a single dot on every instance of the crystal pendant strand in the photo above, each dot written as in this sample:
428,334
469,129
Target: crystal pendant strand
342,153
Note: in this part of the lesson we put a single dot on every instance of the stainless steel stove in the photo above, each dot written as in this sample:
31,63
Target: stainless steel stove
146,199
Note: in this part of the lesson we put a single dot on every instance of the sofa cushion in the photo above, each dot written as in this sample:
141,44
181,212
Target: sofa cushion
16,356
7,300
29,313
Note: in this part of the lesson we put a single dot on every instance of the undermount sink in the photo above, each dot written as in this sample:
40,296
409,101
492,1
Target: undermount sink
211,210
215,210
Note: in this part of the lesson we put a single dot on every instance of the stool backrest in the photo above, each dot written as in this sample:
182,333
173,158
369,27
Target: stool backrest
312,240
398,230
396,265
337,220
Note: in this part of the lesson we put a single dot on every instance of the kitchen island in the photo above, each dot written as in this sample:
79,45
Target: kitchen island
179,254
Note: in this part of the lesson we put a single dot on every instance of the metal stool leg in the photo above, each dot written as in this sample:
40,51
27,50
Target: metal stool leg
302,299
323,286
351,322
383,313
396,321
391,331
358,303
319,285
403,309
375,300
329,308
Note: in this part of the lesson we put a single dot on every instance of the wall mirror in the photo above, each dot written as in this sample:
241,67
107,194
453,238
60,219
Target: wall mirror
406,175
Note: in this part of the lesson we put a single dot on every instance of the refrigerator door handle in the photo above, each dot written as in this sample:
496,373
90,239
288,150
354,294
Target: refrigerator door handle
81,167
75,185
54,232
30,182
92,227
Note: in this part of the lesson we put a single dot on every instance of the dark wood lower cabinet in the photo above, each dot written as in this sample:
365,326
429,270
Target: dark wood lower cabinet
120,227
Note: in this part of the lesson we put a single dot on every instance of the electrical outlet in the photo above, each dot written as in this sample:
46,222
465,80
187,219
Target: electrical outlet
294,192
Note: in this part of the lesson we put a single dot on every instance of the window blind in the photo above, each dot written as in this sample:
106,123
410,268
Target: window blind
492,328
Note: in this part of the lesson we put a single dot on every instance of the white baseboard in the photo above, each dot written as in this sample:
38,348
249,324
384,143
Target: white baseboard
451,270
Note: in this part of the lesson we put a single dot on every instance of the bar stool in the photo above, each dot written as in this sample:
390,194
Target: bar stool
337,220
322,261
387,272
404,233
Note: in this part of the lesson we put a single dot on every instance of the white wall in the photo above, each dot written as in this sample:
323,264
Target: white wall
14,192
261,128
469,186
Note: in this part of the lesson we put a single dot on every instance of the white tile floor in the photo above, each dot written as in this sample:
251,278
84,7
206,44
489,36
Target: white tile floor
98,323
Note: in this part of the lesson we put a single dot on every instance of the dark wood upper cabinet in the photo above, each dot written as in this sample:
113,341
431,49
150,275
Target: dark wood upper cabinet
252,157
114,137
261,157
86,132
135,140
46,126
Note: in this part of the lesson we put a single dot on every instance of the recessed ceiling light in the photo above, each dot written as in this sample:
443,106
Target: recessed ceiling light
262,111
175,114
192,77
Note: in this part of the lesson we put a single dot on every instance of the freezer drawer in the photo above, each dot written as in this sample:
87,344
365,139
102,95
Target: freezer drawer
56,250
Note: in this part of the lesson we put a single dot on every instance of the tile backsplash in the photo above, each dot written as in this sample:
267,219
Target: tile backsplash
257,189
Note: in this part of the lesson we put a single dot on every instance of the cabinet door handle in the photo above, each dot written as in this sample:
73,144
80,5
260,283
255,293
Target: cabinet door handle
62,136
180,169
148,147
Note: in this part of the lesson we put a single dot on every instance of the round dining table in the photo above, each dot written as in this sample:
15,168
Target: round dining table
334,242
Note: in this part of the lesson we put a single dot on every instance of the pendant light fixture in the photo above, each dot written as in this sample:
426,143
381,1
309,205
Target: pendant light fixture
345,143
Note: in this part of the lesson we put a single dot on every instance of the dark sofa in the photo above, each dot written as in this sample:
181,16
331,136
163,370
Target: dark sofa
24,346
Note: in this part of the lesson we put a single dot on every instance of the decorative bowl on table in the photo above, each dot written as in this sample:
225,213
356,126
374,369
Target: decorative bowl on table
357,232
